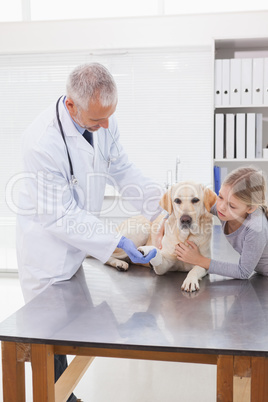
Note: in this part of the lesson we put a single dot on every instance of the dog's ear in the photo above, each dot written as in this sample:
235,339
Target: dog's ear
209,199
166,202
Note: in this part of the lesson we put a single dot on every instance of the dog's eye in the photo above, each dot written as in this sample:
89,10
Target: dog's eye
195,200
177,201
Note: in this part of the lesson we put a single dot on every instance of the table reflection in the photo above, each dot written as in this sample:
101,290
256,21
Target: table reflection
101,306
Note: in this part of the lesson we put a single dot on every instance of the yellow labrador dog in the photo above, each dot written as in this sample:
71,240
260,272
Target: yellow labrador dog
188,205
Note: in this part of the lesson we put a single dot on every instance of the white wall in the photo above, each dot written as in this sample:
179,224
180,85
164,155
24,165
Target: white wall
162,31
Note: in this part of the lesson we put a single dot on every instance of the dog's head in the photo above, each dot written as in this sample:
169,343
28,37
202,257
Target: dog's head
189,202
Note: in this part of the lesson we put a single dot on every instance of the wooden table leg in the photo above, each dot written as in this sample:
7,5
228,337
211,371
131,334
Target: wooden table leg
71,377
225,368
242,378
13,373
43,373
259,379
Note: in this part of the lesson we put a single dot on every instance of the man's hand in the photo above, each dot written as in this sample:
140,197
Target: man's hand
136,256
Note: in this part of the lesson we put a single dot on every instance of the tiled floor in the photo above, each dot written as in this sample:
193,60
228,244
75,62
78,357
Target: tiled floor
114,380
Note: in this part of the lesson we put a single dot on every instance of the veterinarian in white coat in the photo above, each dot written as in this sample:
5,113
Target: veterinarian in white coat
58,220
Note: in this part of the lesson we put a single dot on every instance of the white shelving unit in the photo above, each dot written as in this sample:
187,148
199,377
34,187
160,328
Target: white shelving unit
241,107
235,160
243,48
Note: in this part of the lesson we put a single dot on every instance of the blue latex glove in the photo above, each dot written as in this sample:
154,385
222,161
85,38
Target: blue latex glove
136,256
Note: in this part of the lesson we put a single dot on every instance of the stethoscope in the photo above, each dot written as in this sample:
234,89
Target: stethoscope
109,160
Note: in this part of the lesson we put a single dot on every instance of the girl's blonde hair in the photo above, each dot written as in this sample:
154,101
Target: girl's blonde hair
249,186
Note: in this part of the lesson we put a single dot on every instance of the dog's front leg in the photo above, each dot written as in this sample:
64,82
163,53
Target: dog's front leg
191,282
159,263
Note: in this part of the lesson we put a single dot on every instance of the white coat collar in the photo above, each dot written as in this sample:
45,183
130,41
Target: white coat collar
71,131
66,121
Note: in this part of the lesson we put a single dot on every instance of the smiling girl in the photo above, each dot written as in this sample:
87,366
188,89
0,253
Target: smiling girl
242,209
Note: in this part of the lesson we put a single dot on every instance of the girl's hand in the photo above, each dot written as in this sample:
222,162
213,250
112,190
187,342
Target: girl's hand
189,254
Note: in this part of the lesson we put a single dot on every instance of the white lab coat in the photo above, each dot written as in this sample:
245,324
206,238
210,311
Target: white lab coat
57,223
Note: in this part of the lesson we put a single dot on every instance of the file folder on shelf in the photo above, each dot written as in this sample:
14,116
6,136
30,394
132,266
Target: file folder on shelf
219,175
265,82
259,135
218,83
257,82
240,136
230,136
217,179
246,82
250,138
225,82
219,136
235,82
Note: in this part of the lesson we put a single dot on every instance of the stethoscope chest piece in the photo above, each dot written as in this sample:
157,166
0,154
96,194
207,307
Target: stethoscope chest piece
74,180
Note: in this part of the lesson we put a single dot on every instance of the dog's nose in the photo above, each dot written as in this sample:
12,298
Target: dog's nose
186,220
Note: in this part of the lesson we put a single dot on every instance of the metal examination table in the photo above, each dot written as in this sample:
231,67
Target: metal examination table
139,315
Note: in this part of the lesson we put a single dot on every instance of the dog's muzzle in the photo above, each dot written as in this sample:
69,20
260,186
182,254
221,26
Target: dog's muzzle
186,221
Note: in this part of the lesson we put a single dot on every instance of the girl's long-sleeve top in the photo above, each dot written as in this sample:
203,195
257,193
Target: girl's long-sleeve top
251,242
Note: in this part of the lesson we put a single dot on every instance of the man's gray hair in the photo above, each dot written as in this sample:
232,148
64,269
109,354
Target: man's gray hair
91,83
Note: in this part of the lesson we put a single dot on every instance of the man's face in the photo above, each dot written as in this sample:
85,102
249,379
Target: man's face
93,118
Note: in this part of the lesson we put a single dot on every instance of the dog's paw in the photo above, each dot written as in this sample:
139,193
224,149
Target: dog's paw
157,260
145,250
190,284
120,265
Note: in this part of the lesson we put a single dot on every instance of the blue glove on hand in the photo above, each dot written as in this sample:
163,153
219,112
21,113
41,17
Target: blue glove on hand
136,256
